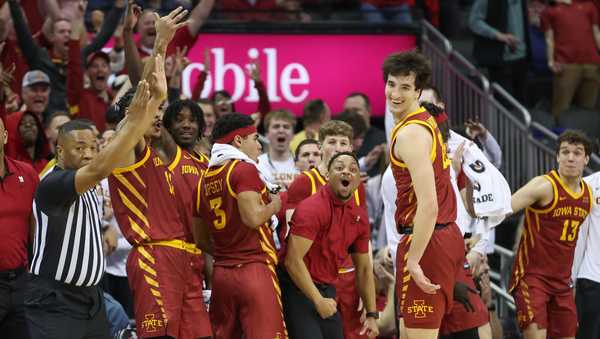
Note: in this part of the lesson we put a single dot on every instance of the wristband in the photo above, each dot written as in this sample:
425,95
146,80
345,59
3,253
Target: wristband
374,315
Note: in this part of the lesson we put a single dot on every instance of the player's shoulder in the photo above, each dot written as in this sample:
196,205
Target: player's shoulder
313,205
542,184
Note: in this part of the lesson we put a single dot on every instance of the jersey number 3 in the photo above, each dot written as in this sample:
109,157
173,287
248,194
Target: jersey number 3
571,225
220,217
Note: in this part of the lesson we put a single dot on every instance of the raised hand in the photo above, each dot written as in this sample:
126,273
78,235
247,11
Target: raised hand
139,103
206,60
167,25
254,70
133,14
158,80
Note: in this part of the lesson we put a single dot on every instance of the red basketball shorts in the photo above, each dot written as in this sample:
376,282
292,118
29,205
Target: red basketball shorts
246,301
348,301
167,293
549,305
442,262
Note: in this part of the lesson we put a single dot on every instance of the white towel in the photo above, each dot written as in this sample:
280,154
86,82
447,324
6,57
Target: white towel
221,153
491,193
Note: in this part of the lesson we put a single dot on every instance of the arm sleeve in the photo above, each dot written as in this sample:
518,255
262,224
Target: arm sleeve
74,78
477,22
56,192
244,177
492,150
30,49
106,31
264,105
305,223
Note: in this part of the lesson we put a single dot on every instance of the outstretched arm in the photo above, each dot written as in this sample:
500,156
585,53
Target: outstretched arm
199,15
537,191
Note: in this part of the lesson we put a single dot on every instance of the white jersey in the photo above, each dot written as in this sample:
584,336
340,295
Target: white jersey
116,262
278,172
389,193
587,253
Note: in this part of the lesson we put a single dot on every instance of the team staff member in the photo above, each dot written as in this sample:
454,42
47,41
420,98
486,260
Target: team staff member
325,228
18,182
555,206
233,212
335,136
434,247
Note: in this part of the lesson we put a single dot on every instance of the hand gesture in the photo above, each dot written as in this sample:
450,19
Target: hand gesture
158,81
475,129
137,108
254,70
110,240
420,279
133,14
181,61
555,67
370,328
326,307
167,25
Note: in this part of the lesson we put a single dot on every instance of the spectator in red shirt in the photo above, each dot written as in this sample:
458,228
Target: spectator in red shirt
92,103
573,40
184,37
30,144
36,92
325,228
18,182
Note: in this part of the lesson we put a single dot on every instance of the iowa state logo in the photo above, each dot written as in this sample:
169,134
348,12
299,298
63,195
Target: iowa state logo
419,309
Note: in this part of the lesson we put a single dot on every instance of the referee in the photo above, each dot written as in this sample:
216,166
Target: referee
63,299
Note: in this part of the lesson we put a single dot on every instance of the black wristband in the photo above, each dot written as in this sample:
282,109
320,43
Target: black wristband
374,315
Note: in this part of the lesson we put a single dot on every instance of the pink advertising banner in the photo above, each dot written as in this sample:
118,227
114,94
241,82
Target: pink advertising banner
295,68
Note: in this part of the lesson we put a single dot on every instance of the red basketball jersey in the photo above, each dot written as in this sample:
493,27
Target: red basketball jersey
406,201
144,200
187,170
550,234
216,203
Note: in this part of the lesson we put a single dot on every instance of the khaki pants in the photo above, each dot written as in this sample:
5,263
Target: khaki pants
581,81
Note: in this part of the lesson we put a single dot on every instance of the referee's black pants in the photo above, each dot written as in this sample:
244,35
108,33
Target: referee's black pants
57,310
587,299
301,317
12,311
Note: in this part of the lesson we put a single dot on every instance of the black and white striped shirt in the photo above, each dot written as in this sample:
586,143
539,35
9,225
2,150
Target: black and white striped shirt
68,239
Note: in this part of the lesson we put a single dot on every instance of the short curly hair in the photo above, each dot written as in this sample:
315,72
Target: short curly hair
405,63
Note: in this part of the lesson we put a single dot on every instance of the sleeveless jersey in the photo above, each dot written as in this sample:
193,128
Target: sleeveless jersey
187,170
550,233
406,201
216,203
144,201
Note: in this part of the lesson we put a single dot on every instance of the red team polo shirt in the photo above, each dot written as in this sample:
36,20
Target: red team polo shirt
336,229
17,190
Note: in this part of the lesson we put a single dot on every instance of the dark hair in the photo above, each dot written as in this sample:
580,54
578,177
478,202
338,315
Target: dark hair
363,96
125,101
177,106
574,137
303,143
444,127
350,154
113,114
75,125
313,111
359,126
405,63
230,122
225,94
